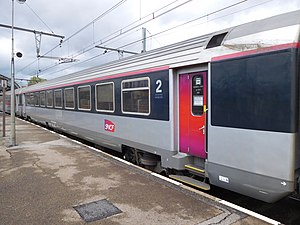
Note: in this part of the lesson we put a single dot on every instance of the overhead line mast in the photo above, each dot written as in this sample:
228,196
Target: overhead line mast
38,39
32,31
37,35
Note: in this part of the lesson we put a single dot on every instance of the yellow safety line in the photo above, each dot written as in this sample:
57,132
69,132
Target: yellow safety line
194,168
206,189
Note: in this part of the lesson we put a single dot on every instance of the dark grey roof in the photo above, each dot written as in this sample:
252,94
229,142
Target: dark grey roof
2,77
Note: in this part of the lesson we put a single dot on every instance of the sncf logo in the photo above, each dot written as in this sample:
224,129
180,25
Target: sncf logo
109,126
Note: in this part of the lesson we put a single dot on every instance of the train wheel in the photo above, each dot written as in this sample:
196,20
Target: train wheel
129,155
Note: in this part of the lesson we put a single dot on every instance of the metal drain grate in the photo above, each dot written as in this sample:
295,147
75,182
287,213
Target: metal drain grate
97,210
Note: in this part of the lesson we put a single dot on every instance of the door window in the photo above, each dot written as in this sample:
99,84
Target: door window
197,95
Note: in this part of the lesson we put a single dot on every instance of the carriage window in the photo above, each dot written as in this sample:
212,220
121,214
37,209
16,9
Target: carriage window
27,99
105,97
50,98
31,99
37,99
84,97
42,98
58,98
20,99
69,98
136,96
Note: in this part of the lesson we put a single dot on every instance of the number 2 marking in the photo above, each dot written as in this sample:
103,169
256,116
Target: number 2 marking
158,88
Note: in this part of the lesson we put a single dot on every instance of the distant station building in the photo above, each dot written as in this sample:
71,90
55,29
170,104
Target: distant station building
2,77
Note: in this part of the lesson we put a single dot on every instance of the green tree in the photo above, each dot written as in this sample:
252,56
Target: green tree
34,80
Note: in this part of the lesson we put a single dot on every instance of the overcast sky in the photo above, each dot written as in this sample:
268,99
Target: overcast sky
113,29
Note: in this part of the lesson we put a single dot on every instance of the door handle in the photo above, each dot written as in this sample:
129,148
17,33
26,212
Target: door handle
203,129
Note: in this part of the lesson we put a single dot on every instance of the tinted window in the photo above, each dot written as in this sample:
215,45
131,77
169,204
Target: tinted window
105,97
27,98
36,98
197,95
136,96
50,98
31,99
255,92
84,97
69,98
58,98
42,98
19,99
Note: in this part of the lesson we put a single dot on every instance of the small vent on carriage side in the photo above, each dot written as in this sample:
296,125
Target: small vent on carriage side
216,40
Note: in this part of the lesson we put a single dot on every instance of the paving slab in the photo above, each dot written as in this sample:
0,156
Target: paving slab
47,176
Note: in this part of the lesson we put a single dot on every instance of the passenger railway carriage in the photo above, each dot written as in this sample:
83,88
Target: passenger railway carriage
222,108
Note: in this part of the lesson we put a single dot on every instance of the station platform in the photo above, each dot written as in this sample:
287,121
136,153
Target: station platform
50,179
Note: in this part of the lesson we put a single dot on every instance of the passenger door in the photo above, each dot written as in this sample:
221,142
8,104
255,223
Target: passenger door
192,113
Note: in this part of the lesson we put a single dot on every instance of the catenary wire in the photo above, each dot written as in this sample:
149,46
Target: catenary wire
161,32
118,34
77,32
164,31
90,47
39,18
101,41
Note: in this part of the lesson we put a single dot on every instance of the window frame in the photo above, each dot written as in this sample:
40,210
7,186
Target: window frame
41,93
36,98
27,99
65,99
113,97
54,99
78,97
136,89
31,98
19,97
47,93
